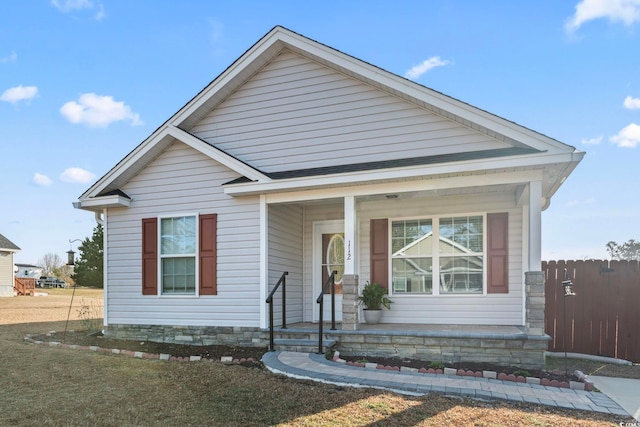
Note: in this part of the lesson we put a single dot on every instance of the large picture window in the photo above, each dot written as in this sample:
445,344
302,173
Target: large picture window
443,255
178,250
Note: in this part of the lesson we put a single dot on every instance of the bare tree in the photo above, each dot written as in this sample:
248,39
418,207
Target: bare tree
50,263
629,250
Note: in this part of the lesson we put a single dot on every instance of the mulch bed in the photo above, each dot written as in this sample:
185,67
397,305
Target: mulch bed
213,352
216,352
467,366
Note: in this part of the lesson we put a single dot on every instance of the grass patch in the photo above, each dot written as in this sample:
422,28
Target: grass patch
591,367
48,386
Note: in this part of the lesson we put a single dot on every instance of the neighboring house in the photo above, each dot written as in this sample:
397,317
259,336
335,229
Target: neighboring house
7,249
28,271
296,148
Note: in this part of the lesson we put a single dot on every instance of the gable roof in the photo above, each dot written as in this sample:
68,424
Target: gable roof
7,245
529,147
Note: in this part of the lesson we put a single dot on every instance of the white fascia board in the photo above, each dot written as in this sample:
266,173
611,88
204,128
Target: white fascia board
518,177
129,161
160,136
217,155
104,202
397,173
225,78
425,94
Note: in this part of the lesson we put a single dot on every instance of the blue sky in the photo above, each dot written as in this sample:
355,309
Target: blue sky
82,82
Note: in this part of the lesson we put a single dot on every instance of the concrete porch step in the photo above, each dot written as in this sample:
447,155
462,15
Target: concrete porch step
303,345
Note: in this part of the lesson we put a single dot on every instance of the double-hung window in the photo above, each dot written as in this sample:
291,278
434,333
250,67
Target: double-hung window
440,255
178,255
412,256
461,246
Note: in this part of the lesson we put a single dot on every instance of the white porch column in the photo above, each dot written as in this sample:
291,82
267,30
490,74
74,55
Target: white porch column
350,235
535,226
264,259
350,277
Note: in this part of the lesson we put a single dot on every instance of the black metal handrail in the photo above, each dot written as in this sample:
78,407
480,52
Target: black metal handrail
269,301
330,283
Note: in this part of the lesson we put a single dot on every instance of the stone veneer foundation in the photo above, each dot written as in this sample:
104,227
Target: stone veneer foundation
516,349
191,335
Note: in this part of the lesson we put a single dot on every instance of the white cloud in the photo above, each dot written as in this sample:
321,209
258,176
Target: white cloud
98,111
67,6
41,180
216,36
628,137
426,65
19,93
77,175
13,57
626,11
101,14
592,141
576,202
632,103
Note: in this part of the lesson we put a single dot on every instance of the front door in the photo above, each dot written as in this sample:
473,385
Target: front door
328,249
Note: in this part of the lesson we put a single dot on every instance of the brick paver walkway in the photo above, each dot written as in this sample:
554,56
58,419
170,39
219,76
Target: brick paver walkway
316,367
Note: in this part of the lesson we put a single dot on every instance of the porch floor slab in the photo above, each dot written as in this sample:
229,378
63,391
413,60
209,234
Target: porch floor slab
315,367
423,330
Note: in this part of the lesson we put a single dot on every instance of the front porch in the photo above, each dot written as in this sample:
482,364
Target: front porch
449,251
503,345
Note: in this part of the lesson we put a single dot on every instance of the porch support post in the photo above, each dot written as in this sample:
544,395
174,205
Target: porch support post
534,277
350,238
350,277
534,287
535,226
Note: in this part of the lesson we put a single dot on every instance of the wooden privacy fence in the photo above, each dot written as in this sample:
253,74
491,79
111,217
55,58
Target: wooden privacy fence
25,286
603,318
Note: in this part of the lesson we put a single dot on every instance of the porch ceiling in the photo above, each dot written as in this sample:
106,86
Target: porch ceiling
503,188
422,194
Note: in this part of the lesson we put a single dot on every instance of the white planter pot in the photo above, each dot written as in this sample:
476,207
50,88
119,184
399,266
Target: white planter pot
372,316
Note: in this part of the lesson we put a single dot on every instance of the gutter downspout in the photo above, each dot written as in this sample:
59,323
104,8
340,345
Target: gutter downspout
100,219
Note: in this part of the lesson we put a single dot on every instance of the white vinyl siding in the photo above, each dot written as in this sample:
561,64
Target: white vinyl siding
491,309
6,274
183,180
298,114
286,254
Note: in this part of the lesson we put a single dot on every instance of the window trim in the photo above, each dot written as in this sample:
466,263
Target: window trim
196,255
435,286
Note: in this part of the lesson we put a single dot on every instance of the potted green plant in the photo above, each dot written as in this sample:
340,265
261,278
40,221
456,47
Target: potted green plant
373,298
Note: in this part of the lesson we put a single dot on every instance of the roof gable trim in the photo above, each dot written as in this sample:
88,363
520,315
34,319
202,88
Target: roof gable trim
142,154
280,38
217,154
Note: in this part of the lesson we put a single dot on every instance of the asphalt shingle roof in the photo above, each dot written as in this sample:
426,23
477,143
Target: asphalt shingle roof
7,244
413,161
